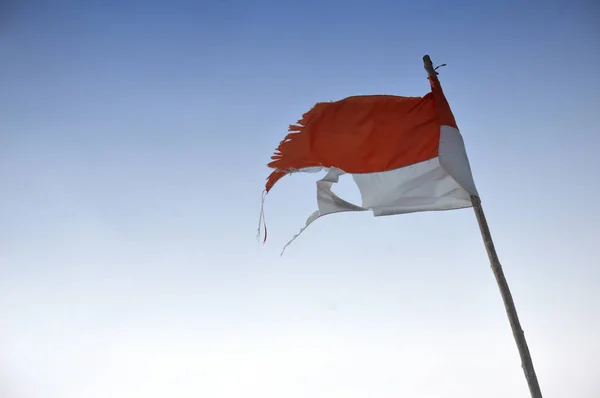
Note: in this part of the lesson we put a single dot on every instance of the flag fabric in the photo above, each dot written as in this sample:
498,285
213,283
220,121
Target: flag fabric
405,154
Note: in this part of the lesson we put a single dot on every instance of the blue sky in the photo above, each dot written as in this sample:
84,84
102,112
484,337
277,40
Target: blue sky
134,138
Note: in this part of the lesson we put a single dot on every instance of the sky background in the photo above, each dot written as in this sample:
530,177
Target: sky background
134,138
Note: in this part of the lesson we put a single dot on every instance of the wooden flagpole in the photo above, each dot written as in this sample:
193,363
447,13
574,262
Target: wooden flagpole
511,311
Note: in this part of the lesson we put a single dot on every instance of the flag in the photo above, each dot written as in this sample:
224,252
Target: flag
405,154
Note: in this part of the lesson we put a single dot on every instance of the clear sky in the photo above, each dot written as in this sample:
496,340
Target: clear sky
134,139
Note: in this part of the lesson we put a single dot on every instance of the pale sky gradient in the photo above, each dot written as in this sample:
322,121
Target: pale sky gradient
134,138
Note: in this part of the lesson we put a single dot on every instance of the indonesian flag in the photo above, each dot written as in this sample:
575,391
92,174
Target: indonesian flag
405,154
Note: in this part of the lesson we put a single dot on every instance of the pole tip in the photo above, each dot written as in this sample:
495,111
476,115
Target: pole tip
429,66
